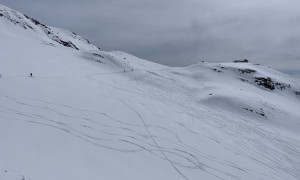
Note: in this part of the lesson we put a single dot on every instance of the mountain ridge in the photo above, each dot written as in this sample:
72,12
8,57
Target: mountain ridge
60,36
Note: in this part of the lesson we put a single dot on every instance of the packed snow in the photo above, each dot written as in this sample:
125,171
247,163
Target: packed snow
90,114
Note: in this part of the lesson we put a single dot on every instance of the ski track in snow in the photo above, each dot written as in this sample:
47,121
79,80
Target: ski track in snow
137,135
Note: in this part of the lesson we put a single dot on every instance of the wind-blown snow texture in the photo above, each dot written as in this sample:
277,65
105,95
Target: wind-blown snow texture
82,117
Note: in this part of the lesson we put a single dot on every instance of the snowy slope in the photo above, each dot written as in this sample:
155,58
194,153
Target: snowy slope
82,117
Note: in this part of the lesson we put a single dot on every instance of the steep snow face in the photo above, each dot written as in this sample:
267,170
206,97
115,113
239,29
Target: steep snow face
48,35
89,114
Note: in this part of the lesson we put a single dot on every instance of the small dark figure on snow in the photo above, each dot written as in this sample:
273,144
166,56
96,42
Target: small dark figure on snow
124,70
30,74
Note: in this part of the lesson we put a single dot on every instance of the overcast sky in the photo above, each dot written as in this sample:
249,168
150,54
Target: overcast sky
181,32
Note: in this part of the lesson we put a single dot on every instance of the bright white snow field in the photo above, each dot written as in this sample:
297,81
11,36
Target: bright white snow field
81,117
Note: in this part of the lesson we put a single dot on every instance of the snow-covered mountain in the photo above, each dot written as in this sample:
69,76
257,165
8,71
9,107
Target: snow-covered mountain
46,34
89,114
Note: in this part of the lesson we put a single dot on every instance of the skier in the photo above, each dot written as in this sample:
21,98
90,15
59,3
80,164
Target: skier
30,74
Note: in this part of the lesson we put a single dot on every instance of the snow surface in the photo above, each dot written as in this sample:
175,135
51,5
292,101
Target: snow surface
82,117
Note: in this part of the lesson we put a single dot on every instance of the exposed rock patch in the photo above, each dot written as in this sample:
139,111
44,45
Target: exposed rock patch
261,112
216,70
249,71
265,82
241,61
268,83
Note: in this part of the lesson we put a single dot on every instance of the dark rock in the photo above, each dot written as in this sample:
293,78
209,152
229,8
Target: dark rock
98,55
262,113
265,82
217,70
248,109
241,61
270,84
29,26
68,44
243,71
282,86
35,21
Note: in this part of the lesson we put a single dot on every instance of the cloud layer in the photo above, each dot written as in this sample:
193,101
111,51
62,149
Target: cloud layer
179,33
